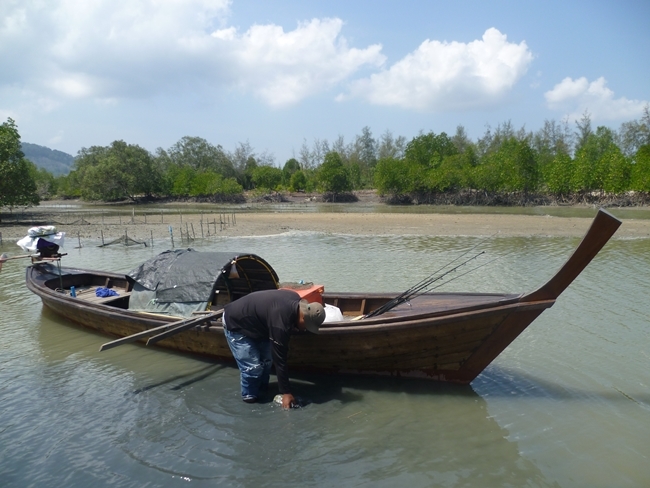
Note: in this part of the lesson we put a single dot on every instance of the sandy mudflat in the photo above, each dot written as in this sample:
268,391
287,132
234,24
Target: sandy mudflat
354,223
425,224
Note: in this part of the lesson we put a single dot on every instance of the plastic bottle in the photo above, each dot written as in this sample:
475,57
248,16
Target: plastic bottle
73,292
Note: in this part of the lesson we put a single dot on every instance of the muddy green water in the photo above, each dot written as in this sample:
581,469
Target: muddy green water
567,404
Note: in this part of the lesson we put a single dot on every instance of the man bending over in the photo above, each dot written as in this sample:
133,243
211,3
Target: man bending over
258,328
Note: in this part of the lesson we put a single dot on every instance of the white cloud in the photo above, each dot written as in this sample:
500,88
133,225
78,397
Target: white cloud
449,75
103,48
73,85
284,67
574,97
111,49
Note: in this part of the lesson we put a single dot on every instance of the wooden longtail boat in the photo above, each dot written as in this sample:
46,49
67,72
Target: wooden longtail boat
439,336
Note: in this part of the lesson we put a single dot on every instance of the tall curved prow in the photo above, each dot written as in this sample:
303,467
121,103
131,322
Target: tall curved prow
533,304
602,229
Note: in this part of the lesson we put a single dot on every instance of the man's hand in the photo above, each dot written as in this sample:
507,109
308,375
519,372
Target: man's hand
288,401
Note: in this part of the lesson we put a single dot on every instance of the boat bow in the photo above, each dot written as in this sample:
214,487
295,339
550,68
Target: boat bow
602,229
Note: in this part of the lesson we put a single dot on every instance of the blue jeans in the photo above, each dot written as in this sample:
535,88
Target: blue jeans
254,361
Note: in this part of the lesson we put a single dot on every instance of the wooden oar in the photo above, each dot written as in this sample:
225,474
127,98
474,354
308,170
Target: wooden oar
4,258
139,335
181,327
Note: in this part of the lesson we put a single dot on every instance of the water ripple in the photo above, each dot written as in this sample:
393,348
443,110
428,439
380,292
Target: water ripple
567,401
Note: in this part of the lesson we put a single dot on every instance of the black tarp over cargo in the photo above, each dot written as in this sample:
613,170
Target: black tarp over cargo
183,281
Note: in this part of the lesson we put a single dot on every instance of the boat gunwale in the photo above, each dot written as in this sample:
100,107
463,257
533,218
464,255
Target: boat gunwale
375,324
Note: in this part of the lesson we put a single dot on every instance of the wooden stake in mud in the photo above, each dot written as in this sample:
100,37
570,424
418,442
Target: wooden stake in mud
171,235
102,233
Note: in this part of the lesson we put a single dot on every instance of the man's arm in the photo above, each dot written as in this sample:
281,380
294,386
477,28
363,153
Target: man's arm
280,351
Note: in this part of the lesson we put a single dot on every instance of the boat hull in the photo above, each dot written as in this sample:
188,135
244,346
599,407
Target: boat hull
431,343
440,336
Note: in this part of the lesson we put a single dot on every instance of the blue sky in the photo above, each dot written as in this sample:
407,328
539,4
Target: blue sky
278,73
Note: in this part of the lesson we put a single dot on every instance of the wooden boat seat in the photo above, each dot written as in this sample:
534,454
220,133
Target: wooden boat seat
88,295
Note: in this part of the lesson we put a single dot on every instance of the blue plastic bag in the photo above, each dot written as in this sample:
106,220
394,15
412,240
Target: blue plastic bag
106,292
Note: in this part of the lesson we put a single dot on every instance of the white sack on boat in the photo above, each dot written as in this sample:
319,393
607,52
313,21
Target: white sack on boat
332,313
30,243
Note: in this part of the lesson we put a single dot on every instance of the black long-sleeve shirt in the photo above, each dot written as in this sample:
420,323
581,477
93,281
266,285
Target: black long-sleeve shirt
267,315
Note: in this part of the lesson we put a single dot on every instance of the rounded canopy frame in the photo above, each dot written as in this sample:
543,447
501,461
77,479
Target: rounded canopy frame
185,280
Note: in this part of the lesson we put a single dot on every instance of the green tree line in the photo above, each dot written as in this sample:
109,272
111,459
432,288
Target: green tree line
17,175
552,161
556,160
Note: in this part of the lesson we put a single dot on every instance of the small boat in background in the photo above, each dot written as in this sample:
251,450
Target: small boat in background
439,336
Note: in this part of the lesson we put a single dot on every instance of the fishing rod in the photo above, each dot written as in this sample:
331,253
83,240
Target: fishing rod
441,284
446,265
417,289
467,272
424,283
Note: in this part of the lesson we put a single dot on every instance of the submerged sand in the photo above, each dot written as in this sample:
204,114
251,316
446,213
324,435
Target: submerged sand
266,223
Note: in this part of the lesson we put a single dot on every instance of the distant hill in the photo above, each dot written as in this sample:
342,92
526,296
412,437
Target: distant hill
56,162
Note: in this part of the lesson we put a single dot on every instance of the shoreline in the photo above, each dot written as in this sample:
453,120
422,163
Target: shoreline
239,224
